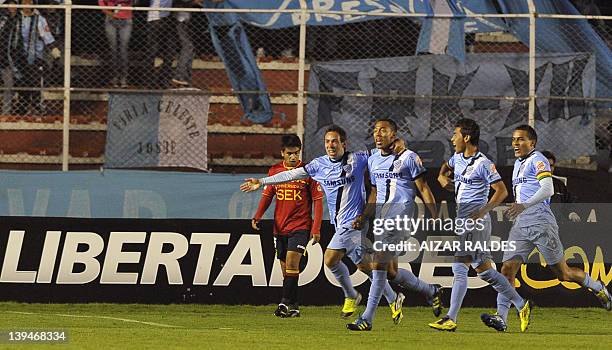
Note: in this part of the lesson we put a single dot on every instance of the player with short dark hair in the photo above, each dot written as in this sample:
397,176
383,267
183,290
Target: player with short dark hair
395,175
535,227
474,176
293,223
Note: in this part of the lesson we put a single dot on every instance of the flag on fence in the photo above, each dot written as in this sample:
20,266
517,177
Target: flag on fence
157,130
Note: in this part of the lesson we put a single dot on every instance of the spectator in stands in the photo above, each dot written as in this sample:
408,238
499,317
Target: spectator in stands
35,38
8,19
118,25
561,194
182,75
55,19
160,39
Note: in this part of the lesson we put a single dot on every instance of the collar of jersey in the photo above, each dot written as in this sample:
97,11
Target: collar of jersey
289,168
475,155
345,155
527,156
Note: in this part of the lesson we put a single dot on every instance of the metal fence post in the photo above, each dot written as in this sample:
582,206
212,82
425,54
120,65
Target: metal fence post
301,71
67,56
532,62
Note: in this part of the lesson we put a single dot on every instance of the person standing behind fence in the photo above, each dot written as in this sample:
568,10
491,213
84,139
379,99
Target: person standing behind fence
182,74
8,19
118,24
35,37
160,40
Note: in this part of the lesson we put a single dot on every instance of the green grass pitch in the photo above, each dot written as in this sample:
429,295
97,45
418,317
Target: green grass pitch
126,326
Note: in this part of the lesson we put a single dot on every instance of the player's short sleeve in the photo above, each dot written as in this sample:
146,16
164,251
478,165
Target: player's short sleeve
489,173
316,192
312,168
541,167
451,161
414,165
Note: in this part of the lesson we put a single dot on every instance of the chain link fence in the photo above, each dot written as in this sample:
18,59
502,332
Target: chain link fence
353,73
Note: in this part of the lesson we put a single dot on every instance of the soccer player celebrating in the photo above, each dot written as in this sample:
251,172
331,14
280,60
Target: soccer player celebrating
535,226
341,174
474,175
394,177
293,223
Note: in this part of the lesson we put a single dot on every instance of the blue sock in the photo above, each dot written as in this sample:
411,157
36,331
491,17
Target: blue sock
379,279
460,284
343,277
591,283
408,280
503,306
503,287
388,292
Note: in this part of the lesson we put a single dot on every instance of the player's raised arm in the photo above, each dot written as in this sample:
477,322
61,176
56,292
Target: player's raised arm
252,184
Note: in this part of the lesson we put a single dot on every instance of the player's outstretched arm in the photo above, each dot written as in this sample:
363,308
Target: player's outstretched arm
253,184
249,185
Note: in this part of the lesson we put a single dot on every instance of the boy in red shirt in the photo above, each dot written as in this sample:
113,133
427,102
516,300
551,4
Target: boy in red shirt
293,223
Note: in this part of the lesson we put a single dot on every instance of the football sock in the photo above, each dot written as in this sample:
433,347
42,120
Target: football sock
503,287
503,306
343,277
388,292
290,287
591,283
379,279
407,279
460,284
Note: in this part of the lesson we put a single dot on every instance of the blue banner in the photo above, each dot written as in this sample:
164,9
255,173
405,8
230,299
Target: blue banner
126,194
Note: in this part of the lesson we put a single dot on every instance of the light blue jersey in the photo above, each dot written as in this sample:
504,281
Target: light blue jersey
526,176
473,178
342,182
394,176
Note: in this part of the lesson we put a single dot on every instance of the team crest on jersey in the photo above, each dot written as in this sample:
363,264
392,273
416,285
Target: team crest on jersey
492,168
348,168
397,164
540,165
319,187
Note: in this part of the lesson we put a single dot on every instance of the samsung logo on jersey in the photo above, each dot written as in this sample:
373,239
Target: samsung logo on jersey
519,180
463,179
340,182
388,175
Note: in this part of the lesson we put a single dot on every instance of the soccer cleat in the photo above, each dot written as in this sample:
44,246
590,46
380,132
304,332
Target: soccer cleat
350,306
293,312
436,300
396,308
281,311
604,297
525,315
494,321
359,325
444,324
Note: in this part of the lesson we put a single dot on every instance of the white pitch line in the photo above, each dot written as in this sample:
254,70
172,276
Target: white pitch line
103,317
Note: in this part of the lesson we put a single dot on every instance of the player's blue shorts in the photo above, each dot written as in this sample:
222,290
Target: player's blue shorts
476,238
544,237
350,240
